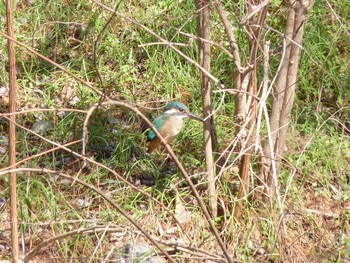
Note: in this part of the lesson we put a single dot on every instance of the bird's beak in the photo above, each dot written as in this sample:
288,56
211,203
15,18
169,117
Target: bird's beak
192,116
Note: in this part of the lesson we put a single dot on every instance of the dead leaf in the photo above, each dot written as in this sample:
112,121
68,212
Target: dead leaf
181,213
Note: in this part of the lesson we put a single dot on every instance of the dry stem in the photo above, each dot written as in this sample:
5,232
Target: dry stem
12,132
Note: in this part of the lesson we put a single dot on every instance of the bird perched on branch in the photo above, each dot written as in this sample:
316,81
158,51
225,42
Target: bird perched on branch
169,124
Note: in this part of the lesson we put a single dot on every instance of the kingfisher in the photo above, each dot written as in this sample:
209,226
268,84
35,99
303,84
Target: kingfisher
169,124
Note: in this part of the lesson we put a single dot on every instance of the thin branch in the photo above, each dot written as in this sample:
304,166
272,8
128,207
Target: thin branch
254,11
190,60
105,230
40,154
337,17
172,155
264,92
189,19
230,35
209,134
191,36
12,132
121,178
235,91
290,40
64,69
62,23
250,106
325,214
103,195
103,96
191,250
162,43
46,242
40,110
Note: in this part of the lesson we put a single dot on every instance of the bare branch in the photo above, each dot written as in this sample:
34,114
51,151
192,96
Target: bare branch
40,154
121,178
210,139
190,60
254,11
104,196
64,69
170,152
162,43
12,131
103,96
45,242
230,35
191,36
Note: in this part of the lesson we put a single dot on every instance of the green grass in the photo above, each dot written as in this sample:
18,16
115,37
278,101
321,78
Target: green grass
149,76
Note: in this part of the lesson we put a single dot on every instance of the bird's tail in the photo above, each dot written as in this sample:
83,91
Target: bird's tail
153,144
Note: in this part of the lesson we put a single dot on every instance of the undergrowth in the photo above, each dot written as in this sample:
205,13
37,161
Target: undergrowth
133,67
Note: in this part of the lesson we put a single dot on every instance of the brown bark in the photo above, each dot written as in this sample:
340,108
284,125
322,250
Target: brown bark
284,90
240,97
250,109
12,132
203,32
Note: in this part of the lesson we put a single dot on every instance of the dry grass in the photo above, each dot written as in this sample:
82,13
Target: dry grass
314,178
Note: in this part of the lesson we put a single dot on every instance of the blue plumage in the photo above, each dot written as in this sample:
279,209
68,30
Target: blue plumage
175,105
169,124
158,123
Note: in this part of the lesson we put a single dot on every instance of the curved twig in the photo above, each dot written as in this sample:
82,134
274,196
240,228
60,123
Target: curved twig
121,178
103,96
45,242
104,196
172,155
190,60
52,63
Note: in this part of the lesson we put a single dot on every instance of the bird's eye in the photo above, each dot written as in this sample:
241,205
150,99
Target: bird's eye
181,110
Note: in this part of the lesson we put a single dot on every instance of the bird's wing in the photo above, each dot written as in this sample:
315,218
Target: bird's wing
158,122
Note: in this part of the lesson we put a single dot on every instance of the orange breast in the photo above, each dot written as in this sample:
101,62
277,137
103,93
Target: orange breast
171,127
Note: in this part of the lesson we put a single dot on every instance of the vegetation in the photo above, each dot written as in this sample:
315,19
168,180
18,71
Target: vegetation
131,64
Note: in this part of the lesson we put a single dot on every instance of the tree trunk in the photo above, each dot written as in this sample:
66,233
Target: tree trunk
12,132
284,89
203,32
250,109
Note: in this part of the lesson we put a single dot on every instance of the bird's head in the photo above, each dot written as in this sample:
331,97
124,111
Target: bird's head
180,110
